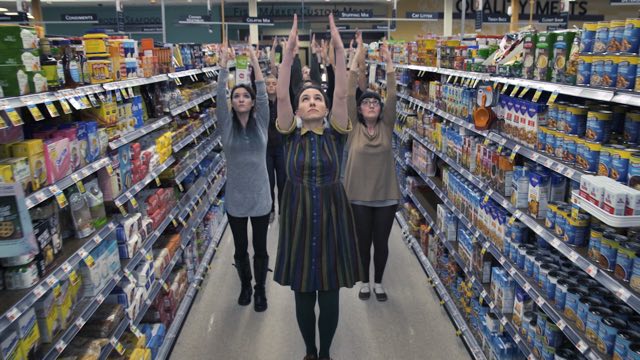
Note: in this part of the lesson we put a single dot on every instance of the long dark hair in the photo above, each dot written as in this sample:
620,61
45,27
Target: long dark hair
252,93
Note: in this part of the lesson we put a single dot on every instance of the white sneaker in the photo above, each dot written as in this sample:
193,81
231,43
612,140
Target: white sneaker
381,294
365,292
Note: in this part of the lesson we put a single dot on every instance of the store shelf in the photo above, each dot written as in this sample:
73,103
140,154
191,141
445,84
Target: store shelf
572,334
47,283
186,237
138,133
621,290
50,191
89,307
605,217
470,275
123,84
191,137
400,161
130,193
183,310
586,92
458,320
182,108
555,165
203,184
20,101
201,152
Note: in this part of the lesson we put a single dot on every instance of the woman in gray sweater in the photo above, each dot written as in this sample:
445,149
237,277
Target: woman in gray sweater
244,130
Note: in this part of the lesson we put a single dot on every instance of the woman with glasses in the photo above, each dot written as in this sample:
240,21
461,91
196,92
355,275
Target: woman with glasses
369,178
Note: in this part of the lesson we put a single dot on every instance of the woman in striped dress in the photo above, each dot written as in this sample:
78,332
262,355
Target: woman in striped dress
317,249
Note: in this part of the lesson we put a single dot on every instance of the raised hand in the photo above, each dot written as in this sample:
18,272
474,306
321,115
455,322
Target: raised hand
384,51
292,43
336,40
223,54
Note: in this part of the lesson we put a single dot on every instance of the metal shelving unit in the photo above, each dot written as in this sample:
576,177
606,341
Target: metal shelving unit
458,320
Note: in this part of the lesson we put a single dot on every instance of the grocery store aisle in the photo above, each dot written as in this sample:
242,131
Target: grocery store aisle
411,325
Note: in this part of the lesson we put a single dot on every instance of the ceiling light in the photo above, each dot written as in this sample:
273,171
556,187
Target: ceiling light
11,13
30,16
4,9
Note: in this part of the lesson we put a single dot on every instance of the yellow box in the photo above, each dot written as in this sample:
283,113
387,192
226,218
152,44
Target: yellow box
141,354
30,340
33,150
50,325
16,170
10,344
64,305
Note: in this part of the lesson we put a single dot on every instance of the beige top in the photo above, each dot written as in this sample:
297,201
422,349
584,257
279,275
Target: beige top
370,172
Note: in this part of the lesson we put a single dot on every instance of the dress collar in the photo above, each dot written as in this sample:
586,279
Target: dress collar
317,131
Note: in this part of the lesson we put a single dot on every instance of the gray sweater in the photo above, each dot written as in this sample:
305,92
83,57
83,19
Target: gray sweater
247,189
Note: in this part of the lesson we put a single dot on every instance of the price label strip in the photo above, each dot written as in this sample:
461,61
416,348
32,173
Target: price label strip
59,195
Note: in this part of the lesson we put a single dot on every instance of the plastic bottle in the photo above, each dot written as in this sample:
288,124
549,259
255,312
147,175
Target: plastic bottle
96,204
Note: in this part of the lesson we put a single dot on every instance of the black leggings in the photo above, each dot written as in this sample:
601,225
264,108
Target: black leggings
373,226
260,225
329,302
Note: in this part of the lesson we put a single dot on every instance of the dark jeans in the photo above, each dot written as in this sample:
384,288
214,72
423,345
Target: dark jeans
259,225
276,170
373,226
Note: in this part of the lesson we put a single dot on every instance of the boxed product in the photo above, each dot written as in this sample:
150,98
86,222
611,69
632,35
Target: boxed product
14,81
33,150
110,180
16,170
538,194
18,38
64,304
104,321
106,263
30,59
29,333
10,346
49,243
57,158
124,158
47,315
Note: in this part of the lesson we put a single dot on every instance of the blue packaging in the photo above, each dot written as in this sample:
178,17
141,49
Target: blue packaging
627,71
552,281
541,144
570,149
571,301
551,143
634,351
584,304
584,69
552,334
607,332
624,339
529,262
596,314
587,37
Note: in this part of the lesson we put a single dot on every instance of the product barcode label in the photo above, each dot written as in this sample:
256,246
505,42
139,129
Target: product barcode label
561,324
80,323
592,270
540,300
13,314
503,321
582,346
623,294
66,267
526,287
39,291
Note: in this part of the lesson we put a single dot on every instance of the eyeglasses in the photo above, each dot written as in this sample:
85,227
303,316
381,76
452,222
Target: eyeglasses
371,102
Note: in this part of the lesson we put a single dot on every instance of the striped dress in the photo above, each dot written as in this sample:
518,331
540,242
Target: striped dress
317,249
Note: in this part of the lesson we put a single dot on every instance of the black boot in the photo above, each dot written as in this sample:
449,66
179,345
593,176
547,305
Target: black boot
260,268
244,272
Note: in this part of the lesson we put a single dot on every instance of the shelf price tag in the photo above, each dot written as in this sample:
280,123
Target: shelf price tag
80,186
102,98
158,182
93,100
73,277
174,222
109,169
64,104
124,93
117,345
523,92
53,112
135,330
512,220
118,96
487,141
536,96
180,187
592,270
514,152
623,294
14,117
60,198
504,88
90,261
122,210
130,91
486,199
134,202
552,98
514,91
